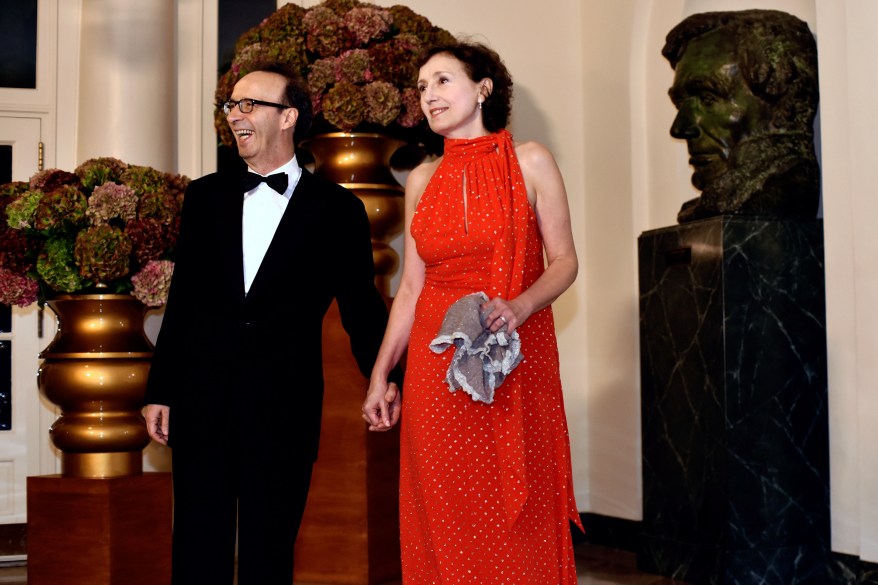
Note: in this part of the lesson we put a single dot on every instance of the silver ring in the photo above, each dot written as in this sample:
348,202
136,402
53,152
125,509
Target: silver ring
502,317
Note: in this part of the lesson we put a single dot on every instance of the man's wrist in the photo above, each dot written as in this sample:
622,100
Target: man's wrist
396,376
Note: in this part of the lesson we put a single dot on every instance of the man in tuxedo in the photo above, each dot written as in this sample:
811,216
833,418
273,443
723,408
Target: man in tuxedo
236,384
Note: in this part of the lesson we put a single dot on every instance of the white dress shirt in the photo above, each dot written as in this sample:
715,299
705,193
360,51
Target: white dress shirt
263,209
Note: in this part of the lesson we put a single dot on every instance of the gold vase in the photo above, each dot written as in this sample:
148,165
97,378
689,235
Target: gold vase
95,370
360,162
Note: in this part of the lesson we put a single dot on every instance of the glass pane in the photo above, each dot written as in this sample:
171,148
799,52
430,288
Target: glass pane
234,19
18,51
5,163
5,385
5,177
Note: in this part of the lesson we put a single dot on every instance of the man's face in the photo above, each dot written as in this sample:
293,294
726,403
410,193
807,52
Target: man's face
716,109
260,134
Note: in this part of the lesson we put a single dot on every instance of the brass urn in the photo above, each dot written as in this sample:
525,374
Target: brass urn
360,161
95,370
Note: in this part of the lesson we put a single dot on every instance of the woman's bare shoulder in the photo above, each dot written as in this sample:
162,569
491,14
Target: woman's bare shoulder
421,175
533,154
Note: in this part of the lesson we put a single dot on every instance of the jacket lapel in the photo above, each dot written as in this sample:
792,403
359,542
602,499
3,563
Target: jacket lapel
291,236
229,242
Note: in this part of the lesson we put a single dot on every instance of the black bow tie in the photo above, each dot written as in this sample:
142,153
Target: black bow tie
277,181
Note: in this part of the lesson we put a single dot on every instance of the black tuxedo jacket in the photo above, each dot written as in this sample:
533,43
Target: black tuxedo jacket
234,365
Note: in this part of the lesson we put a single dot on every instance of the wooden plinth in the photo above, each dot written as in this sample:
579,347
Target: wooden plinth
350,532
113,531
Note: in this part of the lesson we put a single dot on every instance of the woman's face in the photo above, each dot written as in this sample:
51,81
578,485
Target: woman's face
450,99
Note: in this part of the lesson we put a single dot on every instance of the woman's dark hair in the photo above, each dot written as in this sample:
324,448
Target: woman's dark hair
480,62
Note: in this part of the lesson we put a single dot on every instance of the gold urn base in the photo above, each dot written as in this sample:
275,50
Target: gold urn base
95,370
101,465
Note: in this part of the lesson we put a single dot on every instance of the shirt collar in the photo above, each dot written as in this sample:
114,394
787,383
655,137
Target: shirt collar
293,171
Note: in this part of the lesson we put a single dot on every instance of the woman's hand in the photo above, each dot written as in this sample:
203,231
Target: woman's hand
383,405
509,314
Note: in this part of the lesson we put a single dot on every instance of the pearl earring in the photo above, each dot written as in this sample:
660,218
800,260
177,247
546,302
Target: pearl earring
480,102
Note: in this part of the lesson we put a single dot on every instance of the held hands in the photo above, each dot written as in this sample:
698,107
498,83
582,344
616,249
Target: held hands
157,422
382,407
383,404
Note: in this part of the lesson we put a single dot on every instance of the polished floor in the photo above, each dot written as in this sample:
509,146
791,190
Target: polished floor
595,565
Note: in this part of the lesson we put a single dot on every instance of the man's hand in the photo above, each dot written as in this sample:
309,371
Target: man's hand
157,417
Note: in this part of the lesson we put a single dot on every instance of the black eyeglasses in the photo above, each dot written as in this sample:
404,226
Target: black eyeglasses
246,105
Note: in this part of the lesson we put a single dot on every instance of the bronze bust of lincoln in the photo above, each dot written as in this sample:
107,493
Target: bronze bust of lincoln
745,88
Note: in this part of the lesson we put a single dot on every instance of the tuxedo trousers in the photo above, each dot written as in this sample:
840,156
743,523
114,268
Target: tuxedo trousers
236,479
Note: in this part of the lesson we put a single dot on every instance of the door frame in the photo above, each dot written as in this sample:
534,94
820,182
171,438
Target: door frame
26,448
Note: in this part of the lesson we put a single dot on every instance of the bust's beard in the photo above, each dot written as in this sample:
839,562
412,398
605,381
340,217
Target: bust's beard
774,173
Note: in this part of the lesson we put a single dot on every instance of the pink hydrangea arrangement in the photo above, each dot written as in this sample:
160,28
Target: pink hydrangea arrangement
360,62
17,290
152,283
107,227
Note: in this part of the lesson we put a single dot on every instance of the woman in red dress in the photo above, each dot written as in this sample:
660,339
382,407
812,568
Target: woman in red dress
486,495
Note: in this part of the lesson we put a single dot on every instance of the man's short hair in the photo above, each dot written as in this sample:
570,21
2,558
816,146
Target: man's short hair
296,94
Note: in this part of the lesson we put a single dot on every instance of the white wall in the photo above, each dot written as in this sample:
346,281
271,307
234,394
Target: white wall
604,412
849,81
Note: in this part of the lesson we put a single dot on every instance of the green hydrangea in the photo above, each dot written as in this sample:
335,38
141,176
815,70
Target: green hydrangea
100,170
62,209
345,106
143,179
102,253
20,213
384,103
57,267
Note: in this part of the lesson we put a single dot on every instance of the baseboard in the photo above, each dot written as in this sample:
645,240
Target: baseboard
624,535
601,530
608,531
851,570
13,541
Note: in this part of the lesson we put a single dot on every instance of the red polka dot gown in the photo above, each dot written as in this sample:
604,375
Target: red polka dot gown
485,489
